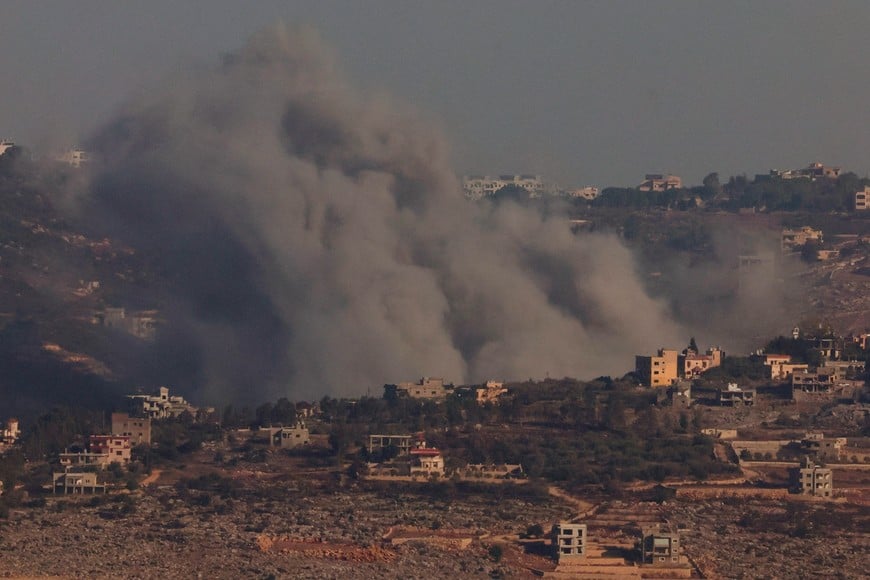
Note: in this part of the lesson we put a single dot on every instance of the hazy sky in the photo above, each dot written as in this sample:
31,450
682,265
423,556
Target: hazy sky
583,92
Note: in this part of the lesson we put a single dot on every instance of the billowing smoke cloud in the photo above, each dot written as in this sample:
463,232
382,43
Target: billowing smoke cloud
317,243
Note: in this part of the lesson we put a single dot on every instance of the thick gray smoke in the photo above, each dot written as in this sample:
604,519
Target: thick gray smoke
317,241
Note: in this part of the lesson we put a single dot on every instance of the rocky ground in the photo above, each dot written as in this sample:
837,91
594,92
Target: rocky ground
767,538
169,532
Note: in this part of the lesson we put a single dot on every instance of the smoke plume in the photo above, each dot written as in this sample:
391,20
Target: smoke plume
316,241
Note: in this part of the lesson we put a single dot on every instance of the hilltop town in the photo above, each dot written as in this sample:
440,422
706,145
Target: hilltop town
690,462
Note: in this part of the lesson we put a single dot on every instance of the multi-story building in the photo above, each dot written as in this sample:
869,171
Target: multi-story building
138,429
661,548
733,395
658,371
569,540
822,448
490,392
480,186
813,171
115,447
819,381
160,406
427,388
812,479
862,199
692,364
660,182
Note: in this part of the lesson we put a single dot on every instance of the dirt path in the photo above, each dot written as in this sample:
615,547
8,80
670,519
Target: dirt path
583,507
155,474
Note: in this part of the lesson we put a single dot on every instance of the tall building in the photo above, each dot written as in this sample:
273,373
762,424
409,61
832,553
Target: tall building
660,370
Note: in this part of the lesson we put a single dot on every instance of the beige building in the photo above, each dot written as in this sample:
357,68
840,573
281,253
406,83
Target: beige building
692,364
115,447
781,367
658,371
811,479
660,182
588,193
862,199
426,461
290,437
490,392
427,388
796,238
161,405
480,186
569,540
138,429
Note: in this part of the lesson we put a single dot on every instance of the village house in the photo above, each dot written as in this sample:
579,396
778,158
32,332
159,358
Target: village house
588,193
426,461
492,471
72,460
812,172
812,479
73,482
733,395
160,406
10,434
692,364
116,448
138,429
818,381
479,186
660,547
428,388
569,540
822,448
797,238
490,392
660,182
289,437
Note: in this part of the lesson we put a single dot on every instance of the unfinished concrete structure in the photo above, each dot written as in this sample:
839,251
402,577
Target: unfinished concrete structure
400,442
160,406
660,547
569,540
822,448
72,482
812,479
733,395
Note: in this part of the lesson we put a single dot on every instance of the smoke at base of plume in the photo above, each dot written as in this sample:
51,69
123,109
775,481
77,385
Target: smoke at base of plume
318,244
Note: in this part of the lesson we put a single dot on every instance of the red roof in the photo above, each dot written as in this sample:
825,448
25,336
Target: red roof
431,451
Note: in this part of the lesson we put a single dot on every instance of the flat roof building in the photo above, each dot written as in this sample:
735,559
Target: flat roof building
569,540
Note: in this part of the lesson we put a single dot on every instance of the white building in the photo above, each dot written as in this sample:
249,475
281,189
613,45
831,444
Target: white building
160,406
74,157
290,437
588,193
480,186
